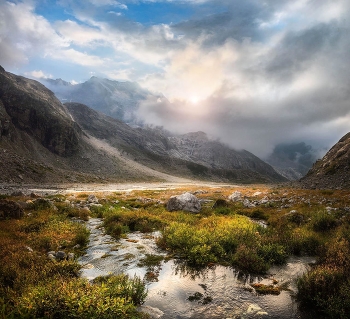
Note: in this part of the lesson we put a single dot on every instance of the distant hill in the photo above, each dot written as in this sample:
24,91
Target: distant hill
333,170
119,100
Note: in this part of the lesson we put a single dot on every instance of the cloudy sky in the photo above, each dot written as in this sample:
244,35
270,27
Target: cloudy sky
253,73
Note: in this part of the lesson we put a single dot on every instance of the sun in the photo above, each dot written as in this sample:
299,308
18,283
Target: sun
194,99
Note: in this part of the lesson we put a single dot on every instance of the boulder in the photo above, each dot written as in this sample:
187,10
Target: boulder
92,199
10,209
235,196
186,202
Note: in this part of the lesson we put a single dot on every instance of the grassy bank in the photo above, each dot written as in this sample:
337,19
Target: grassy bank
300,222
35,286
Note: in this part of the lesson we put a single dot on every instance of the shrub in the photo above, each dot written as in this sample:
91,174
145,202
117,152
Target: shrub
112,297
247,259
273,254
323,221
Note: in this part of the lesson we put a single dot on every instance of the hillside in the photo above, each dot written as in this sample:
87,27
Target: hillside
333,170
44,141
192,155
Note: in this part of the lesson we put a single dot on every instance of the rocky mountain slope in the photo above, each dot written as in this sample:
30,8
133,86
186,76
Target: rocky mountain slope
116,99
192,155
43,141
40,142
333,170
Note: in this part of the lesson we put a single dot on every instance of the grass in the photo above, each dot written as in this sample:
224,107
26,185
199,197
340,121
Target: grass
33,286
298,224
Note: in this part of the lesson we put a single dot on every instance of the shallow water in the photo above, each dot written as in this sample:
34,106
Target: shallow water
225,293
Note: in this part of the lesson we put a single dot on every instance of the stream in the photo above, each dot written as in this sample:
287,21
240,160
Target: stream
217,292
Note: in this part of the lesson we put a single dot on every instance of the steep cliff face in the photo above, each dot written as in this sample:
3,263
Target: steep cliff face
333,170
32,108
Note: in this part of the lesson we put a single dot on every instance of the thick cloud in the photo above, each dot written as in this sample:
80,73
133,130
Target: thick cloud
252,73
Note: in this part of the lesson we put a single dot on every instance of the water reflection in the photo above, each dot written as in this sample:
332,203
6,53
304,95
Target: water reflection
184,292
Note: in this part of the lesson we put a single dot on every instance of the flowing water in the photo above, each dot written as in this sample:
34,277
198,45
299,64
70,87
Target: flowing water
218,292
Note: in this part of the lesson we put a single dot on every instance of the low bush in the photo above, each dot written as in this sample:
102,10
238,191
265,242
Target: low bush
112,297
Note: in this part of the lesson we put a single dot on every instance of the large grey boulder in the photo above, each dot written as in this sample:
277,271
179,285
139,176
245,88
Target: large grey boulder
186,202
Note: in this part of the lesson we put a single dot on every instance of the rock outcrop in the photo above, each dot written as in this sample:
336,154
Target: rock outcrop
333,170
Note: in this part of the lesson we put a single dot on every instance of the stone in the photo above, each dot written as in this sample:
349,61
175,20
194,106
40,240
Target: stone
10,209
257,194
71,256
92,199
61,255
186,202
247,203
235,196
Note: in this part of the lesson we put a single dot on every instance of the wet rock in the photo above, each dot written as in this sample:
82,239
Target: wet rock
10,209
92,199
235,196
186,202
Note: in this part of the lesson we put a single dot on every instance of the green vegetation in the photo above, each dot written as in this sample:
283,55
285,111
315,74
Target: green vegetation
228,233
34,286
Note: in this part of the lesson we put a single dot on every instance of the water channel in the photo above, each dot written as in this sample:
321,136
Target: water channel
221,292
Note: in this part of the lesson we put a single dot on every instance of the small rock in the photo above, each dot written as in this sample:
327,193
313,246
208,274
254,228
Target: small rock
77,246
248,204
235,196
51,256
257,194
92,199
29,249
71,256
61,255
33,195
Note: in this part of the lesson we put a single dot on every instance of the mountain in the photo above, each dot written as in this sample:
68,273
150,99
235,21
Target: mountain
293,160
41,143
192,155
333,170
45,141
116,99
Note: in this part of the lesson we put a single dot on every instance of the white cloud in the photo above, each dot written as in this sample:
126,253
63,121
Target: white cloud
38,74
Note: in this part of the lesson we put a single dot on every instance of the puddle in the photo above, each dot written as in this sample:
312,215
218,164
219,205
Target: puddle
219,292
